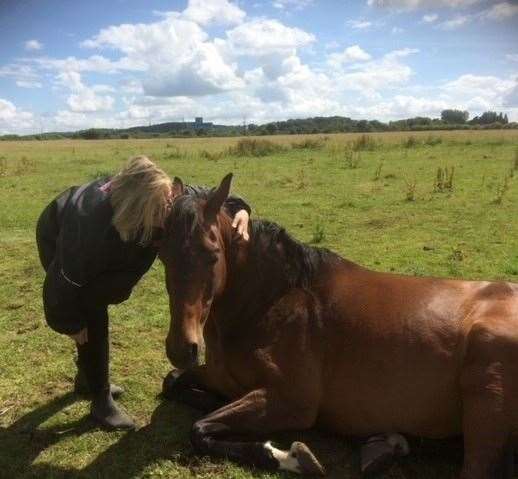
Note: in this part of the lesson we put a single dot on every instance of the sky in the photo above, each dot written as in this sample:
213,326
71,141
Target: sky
68,65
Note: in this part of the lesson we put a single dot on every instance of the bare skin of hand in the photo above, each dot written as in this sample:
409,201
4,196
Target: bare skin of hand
240,222
81,337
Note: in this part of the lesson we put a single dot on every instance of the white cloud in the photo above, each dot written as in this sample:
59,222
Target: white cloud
94,63
66,120
430,18
204,73
31,45
261,37
359,24
28,84
70,80
456,22
88,101
416,4
513,57
401,53
475,85
14,120
23,75
204,12
175,52
501,11
332,45
400,107
498,12
295,4
131,87
84,98
351,54
510,100
371,78
396,30
481,93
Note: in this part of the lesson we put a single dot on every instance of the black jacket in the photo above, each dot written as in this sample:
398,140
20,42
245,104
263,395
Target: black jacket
90,265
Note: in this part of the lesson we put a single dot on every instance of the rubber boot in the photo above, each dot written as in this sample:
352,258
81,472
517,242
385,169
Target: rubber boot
107,413
81,387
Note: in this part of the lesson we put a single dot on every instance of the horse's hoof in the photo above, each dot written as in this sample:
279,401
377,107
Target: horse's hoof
308,463
399,443
378,453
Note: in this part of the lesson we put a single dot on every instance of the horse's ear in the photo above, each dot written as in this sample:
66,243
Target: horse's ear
178,187
217,198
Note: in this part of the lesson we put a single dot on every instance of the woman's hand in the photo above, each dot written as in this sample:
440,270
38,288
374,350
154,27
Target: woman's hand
240,222
81,337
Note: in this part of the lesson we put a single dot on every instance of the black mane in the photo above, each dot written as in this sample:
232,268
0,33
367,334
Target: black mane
279,255
277,260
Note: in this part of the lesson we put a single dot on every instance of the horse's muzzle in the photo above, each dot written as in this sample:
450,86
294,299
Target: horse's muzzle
183,357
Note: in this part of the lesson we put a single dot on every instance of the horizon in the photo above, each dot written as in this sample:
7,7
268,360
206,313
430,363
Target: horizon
64,67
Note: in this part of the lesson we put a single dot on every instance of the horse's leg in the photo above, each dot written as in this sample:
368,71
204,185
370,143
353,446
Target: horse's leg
189,388
485,442
259,412
486,425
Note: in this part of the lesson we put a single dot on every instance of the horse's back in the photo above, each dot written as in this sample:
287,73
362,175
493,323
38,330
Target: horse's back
396,349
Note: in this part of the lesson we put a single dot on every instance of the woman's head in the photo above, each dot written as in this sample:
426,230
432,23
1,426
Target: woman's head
140,196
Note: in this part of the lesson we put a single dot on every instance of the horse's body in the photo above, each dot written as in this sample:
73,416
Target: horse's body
297,336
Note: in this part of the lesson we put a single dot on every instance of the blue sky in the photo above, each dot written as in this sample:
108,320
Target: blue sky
69,65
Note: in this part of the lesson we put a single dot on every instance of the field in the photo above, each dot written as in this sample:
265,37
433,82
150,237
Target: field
378,200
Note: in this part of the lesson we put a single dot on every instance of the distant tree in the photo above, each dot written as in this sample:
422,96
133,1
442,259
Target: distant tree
91,134
489,117
454,116
363,126
271,128
419,121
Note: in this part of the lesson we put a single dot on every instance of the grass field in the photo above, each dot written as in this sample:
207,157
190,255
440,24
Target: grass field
376,200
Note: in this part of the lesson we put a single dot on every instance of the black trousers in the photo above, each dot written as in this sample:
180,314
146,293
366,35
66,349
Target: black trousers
93,356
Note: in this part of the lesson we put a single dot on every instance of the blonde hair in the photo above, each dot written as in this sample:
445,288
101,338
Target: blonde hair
139,197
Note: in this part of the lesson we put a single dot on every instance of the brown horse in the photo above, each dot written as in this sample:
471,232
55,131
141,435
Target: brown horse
297,336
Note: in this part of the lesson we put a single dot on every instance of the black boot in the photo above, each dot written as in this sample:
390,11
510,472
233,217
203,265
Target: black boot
107,413
94,358
81,387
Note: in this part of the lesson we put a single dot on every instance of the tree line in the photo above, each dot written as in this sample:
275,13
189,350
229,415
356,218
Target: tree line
450,119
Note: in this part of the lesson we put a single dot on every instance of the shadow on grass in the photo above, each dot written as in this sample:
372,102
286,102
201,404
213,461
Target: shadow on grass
165,437
22,442
162,446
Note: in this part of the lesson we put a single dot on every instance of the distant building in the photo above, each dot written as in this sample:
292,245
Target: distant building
198,123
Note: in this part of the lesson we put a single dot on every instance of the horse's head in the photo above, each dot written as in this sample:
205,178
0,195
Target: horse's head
193,253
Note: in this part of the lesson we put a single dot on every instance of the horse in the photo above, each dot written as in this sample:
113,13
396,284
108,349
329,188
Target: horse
297,337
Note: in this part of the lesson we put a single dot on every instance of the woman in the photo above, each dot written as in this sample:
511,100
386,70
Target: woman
95,242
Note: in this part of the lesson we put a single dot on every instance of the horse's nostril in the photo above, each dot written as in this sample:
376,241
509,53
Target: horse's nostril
194,351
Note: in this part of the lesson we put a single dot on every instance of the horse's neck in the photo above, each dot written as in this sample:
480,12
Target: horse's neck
254,280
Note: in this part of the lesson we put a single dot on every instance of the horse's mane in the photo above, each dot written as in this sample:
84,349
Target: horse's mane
277,252
278,260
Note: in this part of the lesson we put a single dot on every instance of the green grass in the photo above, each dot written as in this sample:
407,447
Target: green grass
469,230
